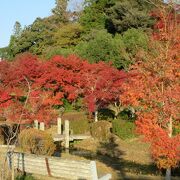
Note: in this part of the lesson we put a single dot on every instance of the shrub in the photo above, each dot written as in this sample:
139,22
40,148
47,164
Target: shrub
36,142
123,129
80,126
101,130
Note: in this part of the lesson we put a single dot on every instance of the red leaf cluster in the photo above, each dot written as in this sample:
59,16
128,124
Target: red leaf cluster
31,89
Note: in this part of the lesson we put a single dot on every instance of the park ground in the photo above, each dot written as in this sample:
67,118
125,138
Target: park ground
124,159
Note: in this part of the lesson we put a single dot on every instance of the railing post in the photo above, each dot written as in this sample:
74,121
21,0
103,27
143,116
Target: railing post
36,124
59,125
42,126
67,134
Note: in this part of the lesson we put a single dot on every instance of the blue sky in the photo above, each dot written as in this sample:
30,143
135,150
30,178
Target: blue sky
24,11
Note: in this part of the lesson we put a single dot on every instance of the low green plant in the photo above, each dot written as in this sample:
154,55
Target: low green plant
123,129
126,115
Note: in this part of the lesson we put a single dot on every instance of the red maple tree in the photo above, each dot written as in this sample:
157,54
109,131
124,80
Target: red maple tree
34,89
101,85
16,80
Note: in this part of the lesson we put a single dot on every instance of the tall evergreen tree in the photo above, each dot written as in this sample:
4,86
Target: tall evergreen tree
127,14
94,14
17,29
60,10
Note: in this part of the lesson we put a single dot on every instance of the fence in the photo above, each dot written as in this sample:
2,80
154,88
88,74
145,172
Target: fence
55,167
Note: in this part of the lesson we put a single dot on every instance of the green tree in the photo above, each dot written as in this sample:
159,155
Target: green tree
17,29
4,53
38,36
101,46
33,38
94,14
121,50
127,14
12,49
60,10
135,40
117,15
68,35
64,40
57,50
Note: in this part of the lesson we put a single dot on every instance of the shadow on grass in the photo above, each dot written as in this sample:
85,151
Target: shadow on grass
109,154
24,177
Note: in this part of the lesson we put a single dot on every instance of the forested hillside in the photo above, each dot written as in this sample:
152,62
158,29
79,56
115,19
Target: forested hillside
106,30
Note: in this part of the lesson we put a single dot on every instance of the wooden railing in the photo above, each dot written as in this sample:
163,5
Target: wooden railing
60,136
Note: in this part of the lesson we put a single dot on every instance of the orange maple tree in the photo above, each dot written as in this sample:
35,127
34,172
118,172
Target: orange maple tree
153,89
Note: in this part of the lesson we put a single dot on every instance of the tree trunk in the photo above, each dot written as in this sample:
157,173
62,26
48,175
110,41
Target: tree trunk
168,174
168,171
96,116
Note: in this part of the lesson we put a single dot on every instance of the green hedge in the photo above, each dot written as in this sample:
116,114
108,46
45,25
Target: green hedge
80,126
123,129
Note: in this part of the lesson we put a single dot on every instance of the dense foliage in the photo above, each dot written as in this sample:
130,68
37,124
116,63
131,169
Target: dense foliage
154,90
97,33
129,14
31,89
